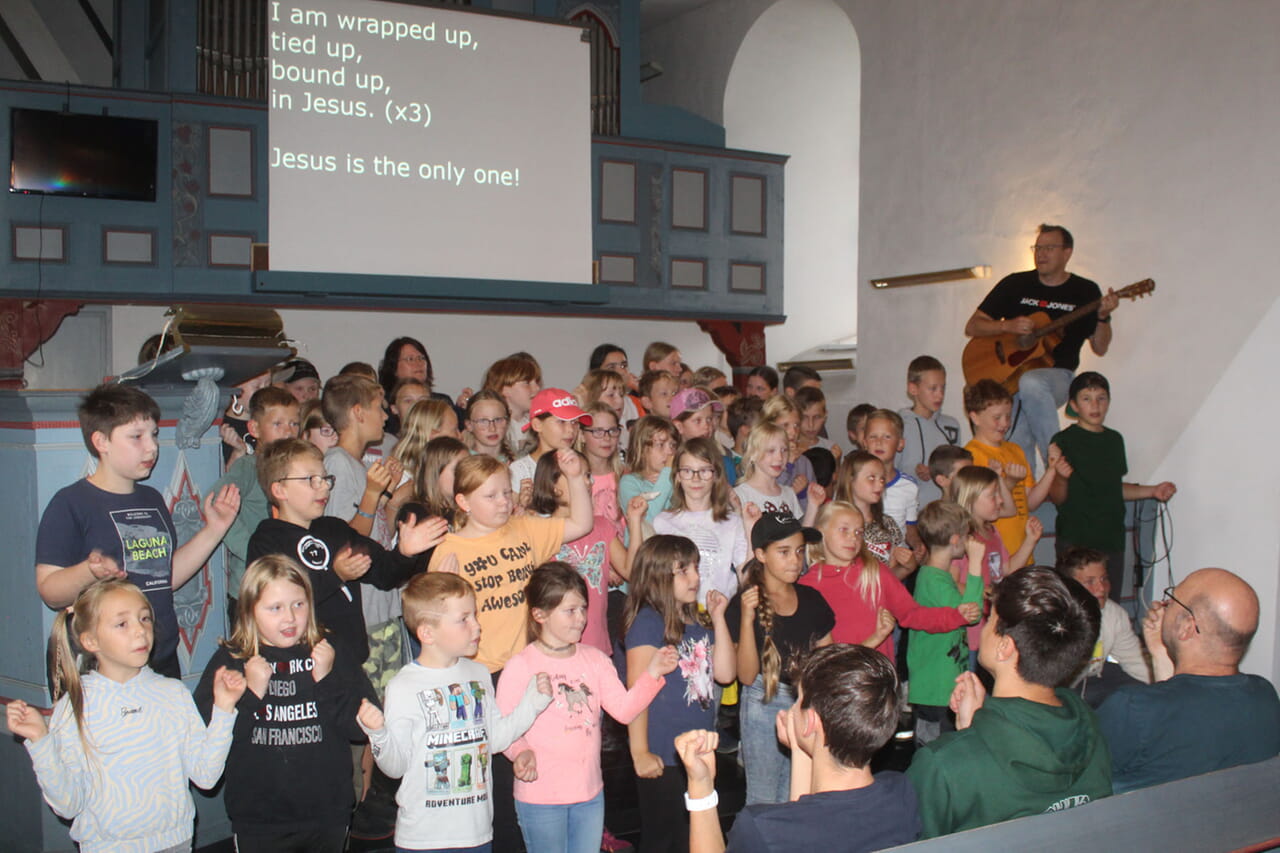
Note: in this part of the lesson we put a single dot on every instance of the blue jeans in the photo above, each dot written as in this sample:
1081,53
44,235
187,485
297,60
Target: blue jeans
766,763
1040,394
568,828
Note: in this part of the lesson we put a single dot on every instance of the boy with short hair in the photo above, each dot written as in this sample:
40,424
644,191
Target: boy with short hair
1092,512
936,659
1031,747
273,415
882,436
291,473
846,709
109,525
442,725
1118,657
855,423
800,376
743,414
944,462
657,387
925,427
812,404
989,406
352,404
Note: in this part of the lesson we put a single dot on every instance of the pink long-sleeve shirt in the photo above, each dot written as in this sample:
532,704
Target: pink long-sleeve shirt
566,736
856,616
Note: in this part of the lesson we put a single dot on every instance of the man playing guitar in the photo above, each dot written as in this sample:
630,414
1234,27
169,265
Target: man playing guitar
1050,289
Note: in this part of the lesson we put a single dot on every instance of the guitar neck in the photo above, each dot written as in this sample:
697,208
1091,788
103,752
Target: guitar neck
1066,319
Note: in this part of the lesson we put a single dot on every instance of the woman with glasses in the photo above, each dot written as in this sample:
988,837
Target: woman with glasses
701,509
406,358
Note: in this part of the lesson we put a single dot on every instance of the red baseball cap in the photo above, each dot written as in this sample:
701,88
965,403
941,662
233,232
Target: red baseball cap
558,402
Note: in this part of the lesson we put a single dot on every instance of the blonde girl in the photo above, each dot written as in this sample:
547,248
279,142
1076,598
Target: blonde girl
771,622
487,417
603,386
600,557
599,444
860,480
781,411
427,419
702,510
764,459
115,722
288,784
649,454
562,809
433,487
868,600
662,610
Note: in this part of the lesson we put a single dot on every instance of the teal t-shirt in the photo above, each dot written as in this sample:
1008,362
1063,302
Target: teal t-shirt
1093,513
935,660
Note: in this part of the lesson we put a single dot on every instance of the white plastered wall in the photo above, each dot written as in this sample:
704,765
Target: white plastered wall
1145,126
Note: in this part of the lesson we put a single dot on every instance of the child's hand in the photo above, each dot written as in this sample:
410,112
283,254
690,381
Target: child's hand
464,397
350,566
922,473
751,513
421,534
1164,491
966,698
663,661
370,716
102,567
1035,529
885,623
1015,473
717,603
526,766
970,611
322,653
570,464
995,465
377,478
228,686
784,726
525,498
636,508
901,556
395,472
800,483
648,765
257,674
817,494
544,684
221,509
736,502
448,564
25,721
697,751
1152,625
749,601
921,553
1060,465
976,550
231,438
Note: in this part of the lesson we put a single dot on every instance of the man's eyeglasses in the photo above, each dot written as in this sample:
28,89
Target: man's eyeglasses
317,481
1046,248
1168,596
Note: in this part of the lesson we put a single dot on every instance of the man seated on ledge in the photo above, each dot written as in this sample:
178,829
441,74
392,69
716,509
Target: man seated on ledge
1033,746
846,709
1202,714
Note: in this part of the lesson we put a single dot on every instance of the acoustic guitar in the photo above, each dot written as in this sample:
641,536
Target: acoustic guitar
1005,358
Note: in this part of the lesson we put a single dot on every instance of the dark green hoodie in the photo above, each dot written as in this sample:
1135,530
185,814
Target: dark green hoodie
1018,758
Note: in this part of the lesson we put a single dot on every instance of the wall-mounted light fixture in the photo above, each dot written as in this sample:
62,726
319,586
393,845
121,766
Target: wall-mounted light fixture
980,271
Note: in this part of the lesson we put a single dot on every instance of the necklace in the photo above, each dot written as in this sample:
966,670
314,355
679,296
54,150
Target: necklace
555,651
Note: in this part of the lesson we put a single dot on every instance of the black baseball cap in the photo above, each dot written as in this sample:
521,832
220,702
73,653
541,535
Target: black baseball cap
299,368
775,526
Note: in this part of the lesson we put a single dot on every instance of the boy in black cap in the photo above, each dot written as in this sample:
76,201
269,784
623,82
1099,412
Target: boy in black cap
300,378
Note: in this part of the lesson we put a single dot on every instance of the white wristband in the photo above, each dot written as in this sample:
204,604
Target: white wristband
702,804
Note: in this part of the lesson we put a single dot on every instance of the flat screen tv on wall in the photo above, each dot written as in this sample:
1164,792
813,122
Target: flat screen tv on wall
77,154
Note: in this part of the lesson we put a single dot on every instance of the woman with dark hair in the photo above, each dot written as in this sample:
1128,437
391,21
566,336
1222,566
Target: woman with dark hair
406,358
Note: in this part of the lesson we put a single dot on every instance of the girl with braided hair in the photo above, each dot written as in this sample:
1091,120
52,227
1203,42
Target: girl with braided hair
772,621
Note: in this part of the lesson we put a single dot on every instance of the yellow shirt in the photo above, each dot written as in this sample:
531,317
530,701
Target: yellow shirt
1012,530
498,566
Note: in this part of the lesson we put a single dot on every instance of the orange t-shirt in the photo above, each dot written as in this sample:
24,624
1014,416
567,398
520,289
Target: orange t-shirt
1012,530
498,566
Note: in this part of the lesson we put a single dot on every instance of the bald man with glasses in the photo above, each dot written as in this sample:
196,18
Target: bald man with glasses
1202,713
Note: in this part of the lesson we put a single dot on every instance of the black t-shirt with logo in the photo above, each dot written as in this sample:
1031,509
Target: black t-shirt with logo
1021,293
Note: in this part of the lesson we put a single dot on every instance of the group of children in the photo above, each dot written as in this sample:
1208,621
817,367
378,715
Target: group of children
469,596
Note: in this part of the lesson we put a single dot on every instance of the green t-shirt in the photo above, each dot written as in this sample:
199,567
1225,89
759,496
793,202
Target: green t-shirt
1093,513
1018,758
934,660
